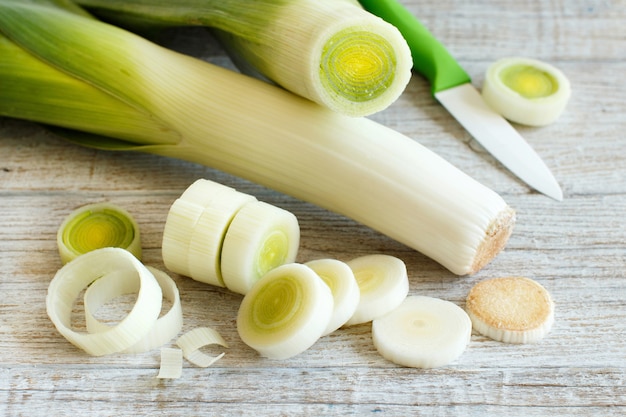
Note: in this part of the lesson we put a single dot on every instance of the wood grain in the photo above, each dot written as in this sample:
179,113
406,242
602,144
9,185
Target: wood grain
575,248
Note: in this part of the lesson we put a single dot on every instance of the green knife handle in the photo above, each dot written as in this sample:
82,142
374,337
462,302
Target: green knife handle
430,57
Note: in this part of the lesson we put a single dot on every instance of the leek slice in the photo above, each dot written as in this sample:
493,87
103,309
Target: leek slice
344,287
76,275
193,340
526,91
383,285
171,363
422,332
285,312
118,283
259,238
332,52
97,226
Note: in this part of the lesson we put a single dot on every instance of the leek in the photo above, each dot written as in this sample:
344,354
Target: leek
245,127
330,51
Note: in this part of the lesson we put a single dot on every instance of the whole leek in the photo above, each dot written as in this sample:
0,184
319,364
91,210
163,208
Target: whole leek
243,126
330,51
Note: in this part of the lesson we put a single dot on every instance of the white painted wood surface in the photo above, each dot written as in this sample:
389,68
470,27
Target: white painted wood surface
575,248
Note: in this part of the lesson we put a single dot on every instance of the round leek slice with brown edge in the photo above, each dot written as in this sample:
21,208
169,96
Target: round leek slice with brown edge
526,91
96,226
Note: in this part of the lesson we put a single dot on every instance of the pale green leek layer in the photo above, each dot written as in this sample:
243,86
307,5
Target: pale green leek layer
265,134
330,51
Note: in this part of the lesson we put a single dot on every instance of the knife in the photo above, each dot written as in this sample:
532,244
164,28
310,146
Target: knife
452,87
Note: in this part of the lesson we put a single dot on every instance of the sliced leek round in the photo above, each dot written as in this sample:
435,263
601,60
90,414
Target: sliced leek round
204,192
76,275
259,238
511,309
344,287
205,245
285,312
96,226
121,282
526,91
383,285
179,225
423,332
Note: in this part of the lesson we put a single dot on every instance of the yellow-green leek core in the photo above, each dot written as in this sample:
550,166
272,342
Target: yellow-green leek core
357,65
277,304
273,252
367,279
528,81
98,226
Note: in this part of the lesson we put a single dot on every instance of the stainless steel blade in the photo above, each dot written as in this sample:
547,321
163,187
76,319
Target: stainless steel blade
499,138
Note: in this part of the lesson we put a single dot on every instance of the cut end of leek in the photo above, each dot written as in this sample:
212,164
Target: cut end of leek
260,238
285,312
96,226
511,309
526,91
363,68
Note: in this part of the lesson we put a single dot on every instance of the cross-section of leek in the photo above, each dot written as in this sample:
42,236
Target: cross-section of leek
344,287
260,237
97,226
526,91
76,275
383,284
332,52
247,128
285,312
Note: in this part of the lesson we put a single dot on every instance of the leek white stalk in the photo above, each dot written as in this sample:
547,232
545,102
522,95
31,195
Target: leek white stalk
329,51
353,166
96,226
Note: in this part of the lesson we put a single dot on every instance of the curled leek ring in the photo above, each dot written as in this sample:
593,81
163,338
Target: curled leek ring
96,226
119,283
76,275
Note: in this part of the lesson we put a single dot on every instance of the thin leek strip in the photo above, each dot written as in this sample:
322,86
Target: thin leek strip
332,52
344,287
383,285
526,91
96,226
76,275
250,129
192,341
171,363
120,283
285,312
422,332
260,237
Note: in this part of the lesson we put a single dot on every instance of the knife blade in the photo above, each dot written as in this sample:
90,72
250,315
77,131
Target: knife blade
452,87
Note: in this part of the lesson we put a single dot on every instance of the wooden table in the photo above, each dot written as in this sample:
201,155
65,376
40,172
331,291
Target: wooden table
575,248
